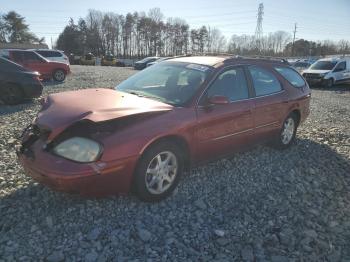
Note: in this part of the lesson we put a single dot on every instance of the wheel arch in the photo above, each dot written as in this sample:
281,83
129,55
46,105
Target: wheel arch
176,140
297,113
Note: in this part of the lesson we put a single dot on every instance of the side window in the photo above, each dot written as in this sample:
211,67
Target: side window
341,66
49,53
31,56
17,56
265,83
292,76
231,83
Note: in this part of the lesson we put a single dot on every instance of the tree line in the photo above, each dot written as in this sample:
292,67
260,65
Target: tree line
13,29
137,35
141,34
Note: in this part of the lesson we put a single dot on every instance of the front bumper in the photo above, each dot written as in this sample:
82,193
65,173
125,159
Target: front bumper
89,179
33,90
314,81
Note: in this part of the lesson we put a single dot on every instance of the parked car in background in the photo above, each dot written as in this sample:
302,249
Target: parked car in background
328,71
35,62
158,61
302,65
171,116
88,59
74,59
53,55
17,83
142,64
109,60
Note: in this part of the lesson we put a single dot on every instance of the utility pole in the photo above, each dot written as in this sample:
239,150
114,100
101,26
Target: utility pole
259,30
295,31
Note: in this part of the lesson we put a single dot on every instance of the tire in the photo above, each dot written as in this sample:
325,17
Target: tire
329,83
11,94
154,182
288,131
59,75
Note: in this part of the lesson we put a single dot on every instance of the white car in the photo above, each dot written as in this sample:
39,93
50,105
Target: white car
328,71
53,55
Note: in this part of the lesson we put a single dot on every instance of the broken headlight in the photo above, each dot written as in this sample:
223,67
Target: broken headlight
79,149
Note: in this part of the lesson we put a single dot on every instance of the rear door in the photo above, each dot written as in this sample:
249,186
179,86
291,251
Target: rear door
36,63
270,100
222,129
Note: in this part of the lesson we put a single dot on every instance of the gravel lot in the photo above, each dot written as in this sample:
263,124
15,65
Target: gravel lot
262,205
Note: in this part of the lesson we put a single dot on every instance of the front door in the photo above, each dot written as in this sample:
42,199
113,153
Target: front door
225,128
340,73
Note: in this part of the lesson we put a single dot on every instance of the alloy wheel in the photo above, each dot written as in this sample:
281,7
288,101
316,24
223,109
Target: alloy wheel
288,131
161,172
59,75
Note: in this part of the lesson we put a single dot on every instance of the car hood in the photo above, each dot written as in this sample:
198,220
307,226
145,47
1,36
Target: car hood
64,109
314,71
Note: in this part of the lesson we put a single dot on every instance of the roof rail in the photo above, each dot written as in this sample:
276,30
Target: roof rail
270,59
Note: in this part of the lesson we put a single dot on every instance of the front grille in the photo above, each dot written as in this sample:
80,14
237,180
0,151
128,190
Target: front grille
312,76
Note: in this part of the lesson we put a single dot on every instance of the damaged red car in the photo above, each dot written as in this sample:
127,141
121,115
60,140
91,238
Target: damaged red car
174,115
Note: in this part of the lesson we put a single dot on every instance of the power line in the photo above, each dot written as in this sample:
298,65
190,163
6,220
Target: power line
259,30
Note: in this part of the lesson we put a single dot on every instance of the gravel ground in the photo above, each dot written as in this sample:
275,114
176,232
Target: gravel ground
261,205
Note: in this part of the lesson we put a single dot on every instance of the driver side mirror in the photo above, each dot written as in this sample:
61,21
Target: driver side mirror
218,100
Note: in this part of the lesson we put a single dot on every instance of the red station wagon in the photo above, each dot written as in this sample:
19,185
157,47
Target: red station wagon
176,114
35,62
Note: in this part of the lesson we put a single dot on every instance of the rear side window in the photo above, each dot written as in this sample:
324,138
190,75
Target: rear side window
49,53
31,56
265,83
292,77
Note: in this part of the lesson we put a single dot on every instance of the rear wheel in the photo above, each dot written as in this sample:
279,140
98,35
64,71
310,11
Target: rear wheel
59,75
158,172
11,94
288,132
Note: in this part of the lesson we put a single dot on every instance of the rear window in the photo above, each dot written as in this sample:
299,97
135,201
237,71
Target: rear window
291,75
48,53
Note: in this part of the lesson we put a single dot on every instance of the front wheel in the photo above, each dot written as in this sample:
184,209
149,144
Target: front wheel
158,172
11,94
288,132
59,75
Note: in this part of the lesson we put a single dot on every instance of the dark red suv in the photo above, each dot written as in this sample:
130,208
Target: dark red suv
35,62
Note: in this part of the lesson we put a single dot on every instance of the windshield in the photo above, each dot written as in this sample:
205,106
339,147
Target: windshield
301,64
171,83
323,65
147,59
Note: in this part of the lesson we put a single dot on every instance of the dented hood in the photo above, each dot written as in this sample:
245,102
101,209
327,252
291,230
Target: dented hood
63,109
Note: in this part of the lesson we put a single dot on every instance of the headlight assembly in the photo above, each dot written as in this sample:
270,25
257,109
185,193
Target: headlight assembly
79,149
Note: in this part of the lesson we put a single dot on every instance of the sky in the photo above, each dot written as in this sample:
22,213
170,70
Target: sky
315,19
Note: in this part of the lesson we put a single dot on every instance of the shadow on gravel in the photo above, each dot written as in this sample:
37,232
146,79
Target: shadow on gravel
8,109
268,203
